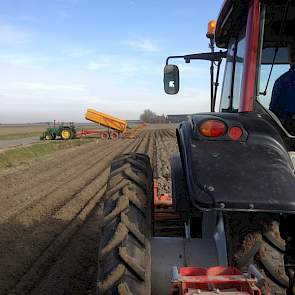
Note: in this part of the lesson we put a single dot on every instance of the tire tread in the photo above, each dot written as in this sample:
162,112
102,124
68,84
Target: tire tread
124,257
254,238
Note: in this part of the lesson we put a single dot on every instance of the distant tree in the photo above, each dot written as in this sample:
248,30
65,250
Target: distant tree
150,117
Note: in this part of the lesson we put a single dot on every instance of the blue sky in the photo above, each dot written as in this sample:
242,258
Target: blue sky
58,57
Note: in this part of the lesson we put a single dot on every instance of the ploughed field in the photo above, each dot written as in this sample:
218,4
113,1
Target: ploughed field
50,213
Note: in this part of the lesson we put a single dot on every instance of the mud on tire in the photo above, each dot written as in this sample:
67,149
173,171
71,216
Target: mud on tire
254,238
124,257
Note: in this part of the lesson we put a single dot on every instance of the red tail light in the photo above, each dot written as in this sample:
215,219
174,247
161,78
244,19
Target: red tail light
212,128
235,133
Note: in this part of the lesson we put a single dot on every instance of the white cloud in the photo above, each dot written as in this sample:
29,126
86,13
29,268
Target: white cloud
39,59
40,86
143,44
11,35
101,62
117,85
19,59
77,52
195,70
118,68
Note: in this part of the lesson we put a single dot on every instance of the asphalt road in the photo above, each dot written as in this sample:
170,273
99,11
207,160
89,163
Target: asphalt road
4,144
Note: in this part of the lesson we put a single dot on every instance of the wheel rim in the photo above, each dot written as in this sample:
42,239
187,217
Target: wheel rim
104,135
65,134
114,135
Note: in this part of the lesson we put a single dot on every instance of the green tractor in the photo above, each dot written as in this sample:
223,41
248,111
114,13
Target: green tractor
63,131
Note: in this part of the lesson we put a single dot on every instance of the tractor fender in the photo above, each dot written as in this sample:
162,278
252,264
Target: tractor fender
180,199
254,173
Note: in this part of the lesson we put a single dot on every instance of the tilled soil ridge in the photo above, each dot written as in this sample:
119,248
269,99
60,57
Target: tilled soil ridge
50,214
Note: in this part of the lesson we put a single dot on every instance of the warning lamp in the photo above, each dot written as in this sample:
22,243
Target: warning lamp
235,133
211,29
212,128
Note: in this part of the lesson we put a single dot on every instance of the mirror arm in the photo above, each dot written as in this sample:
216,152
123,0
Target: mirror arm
173,56
216,56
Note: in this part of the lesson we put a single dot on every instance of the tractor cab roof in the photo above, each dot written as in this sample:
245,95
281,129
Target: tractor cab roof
231,20
233,17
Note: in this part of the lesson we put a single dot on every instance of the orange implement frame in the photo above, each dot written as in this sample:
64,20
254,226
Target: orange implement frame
212,280
163,200
163,209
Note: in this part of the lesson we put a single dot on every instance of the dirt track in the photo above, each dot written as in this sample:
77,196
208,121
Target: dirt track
4,144
50,214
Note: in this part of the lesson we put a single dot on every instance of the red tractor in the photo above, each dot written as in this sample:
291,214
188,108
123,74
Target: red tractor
233,185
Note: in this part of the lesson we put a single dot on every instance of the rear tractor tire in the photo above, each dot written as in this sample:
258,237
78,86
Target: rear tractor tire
125,256
66,134
254,238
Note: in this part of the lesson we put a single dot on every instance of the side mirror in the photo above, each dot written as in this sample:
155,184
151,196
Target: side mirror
171,79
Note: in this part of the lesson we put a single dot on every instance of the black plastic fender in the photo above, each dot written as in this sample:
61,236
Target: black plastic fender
180,198
254,173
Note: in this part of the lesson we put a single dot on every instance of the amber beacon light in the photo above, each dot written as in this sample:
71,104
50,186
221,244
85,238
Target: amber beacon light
211,29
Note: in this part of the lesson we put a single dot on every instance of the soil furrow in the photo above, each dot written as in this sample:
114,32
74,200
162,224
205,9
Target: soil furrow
49,243
82,278
31,277
50,169
34,197
166,147
66,213
150,147
38,215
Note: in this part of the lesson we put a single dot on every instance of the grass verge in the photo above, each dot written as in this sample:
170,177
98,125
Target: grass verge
22,155
19,135
25,134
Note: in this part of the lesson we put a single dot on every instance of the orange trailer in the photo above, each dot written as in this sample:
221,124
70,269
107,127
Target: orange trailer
106,120
115,126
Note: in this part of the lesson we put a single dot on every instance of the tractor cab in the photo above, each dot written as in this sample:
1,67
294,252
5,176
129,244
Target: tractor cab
254,128
260,66
275,90
258,39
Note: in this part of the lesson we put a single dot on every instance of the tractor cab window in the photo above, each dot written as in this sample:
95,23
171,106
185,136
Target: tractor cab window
231,91
269,73
276,79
